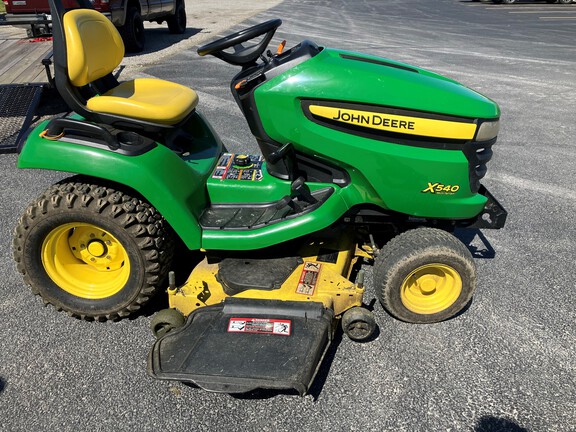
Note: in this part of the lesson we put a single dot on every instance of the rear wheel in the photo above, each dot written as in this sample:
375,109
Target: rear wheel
177,22
132,31
91,250
424,275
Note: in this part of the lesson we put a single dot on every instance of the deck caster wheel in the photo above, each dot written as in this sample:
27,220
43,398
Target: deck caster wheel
358,323
166,320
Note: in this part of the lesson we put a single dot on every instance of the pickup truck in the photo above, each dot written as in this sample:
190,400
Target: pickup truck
127,15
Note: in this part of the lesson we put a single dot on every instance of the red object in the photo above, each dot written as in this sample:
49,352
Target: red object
41,6
38,39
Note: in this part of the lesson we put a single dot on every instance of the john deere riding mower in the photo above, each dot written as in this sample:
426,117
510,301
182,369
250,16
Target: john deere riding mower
364,160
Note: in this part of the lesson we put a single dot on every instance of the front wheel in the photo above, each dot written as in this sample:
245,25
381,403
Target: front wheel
91,250
424,275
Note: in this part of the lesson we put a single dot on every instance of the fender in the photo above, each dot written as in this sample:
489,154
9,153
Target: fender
174,185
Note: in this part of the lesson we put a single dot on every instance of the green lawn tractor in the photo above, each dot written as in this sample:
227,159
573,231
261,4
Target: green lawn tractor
363,160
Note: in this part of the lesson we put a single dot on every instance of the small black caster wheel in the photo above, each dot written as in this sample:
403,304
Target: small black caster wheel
165,321
358,323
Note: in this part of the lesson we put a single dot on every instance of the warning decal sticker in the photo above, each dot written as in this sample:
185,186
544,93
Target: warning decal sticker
308,278
260,325
227,170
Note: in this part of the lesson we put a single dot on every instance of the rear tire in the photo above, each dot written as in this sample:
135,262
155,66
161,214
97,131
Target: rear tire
132,31
177,22
91,250
424,275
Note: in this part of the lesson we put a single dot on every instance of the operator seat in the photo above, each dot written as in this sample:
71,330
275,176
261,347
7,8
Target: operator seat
90,50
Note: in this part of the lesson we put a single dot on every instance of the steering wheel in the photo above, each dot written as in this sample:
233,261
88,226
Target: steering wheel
242,56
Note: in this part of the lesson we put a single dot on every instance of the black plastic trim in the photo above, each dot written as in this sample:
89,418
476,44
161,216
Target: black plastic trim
378,62
98,136
205,352
478,154
493,216
248,216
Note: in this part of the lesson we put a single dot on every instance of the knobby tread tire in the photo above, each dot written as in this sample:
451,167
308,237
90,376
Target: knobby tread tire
412,249
80,198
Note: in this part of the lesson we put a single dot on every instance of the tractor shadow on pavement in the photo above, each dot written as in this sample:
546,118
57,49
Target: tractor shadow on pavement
2,385
476,242
494,424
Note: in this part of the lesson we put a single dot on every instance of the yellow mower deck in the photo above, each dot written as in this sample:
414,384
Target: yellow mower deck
323,277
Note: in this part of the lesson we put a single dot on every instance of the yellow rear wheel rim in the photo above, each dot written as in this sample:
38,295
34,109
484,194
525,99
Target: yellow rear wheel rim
85,260
431,288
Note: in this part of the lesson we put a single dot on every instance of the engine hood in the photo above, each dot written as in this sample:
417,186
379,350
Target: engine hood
346,76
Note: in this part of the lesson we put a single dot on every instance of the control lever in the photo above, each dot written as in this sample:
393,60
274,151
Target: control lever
280,153
299,187
287,201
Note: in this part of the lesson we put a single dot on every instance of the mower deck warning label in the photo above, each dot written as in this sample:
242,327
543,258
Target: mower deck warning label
260,325
227,170
309,278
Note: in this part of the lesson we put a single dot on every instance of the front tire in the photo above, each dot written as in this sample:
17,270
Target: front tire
424,275
93,251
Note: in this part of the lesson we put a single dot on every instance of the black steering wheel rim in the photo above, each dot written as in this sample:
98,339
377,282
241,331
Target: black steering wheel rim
217,47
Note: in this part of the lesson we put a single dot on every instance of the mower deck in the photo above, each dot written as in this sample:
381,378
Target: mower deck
246,344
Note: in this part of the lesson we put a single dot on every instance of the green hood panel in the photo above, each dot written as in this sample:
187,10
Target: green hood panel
357,78
399,171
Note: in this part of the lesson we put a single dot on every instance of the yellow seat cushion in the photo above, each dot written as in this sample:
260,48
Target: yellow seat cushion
87,33
147,99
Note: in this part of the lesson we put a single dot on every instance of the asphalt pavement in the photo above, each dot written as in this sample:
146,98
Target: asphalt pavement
505,364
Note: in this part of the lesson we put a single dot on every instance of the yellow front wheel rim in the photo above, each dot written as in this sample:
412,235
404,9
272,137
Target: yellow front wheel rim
85,260
431,288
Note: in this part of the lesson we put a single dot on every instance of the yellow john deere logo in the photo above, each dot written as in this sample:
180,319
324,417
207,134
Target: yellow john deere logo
398,123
